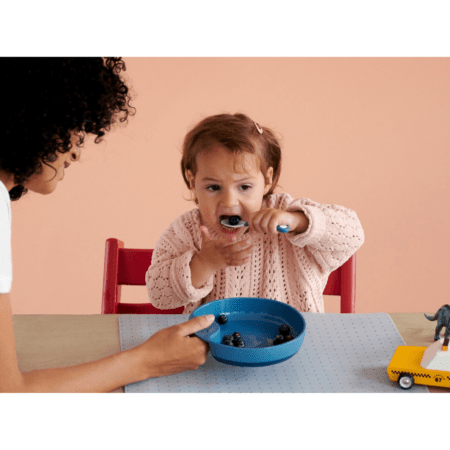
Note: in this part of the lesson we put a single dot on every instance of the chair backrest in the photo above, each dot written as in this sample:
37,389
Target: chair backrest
342,282
126,266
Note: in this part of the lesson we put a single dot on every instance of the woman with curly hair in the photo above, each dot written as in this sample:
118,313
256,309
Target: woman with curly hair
50,105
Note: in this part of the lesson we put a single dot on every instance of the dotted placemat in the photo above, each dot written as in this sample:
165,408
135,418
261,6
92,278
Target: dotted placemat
340,353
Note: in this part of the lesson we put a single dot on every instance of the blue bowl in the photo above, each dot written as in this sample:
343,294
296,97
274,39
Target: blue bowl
257,320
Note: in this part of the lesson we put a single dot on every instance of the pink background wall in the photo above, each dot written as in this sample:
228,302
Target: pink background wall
371,134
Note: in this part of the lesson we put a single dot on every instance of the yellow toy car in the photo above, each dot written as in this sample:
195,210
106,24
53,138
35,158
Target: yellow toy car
421,365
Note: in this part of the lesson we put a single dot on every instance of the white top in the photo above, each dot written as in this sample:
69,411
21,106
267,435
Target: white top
5,241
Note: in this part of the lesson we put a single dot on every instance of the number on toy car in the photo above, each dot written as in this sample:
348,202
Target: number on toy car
405,380
438,378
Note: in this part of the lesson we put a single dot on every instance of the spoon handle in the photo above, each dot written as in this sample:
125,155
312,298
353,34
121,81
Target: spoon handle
283,228
280,228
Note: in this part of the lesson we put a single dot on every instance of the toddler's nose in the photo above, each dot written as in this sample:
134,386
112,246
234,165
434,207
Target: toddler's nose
228,199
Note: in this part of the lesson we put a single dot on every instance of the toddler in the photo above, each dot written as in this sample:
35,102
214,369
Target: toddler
231,166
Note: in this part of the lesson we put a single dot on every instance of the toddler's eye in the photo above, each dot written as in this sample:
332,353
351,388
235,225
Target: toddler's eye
245,187
213,187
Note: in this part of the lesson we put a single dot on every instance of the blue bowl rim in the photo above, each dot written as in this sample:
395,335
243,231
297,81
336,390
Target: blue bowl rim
291,343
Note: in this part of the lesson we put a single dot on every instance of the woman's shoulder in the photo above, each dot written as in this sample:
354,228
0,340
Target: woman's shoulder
5,202
4,194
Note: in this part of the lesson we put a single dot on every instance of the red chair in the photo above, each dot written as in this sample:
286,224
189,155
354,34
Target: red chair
343,282
129,266
126,266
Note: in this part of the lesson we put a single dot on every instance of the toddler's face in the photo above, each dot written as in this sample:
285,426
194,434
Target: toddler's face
228,185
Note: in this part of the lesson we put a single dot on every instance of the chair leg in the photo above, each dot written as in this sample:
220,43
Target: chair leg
111,289
348,286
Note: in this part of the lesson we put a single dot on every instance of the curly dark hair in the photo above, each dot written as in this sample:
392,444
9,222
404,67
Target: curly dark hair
46,99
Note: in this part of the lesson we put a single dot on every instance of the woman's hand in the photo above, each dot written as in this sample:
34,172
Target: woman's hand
167,352
266,220
172,350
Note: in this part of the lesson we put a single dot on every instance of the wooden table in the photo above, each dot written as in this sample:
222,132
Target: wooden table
45,341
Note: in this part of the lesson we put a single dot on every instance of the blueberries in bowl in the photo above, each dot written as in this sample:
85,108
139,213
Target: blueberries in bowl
227,340
258,320
278,339
284,330
235,340
222,319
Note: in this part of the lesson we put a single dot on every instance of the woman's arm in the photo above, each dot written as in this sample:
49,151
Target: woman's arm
167,352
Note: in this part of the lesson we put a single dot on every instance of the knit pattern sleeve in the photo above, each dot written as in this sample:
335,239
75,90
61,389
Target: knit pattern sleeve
168,279
334,232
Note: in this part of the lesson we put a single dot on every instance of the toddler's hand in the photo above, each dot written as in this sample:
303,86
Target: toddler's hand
221,253
266,220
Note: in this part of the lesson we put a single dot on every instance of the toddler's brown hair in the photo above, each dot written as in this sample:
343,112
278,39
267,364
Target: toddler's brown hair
239,134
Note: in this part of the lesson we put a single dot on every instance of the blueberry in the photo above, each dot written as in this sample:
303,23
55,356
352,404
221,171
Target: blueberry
222,318
284,329
239,343
227,339
278,339
287,338
236,335
234,220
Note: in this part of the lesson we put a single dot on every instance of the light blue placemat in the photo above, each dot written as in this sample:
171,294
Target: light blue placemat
340,353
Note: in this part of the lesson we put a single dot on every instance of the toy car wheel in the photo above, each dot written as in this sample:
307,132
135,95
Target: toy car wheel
405,381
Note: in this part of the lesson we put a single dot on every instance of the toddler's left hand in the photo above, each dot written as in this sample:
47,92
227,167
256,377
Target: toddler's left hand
266,220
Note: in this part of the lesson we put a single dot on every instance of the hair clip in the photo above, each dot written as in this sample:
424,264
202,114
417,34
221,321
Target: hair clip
260,130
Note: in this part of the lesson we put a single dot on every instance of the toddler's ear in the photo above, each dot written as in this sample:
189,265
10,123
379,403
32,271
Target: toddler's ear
268,177
191,179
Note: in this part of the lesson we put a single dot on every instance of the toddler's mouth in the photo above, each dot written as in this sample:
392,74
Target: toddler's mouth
229,223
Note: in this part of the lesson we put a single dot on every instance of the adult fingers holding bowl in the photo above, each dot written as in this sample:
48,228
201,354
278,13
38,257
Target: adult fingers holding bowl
50,105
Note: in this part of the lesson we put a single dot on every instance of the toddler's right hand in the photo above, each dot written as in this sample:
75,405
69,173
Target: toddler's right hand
221,253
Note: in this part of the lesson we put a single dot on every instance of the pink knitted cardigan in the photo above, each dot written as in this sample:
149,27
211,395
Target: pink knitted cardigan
292,268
